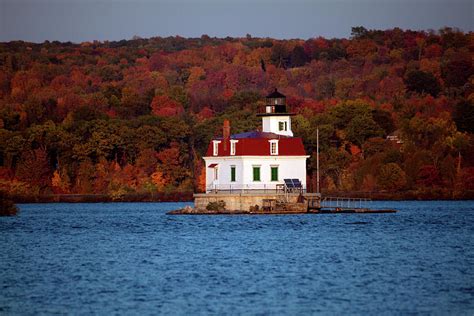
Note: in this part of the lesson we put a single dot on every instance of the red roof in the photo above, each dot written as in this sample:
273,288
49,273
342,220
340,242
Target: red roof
287,146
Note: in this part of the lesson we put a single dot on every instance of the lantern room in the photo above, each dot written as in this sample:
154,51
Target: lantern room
276,103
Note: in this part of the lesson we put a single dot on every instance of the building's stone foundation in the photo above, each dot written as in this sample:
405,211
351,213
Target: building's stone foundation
244,201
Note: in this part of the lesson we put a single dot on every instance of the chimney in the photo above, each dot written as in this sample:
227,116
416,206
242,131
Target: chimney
226,133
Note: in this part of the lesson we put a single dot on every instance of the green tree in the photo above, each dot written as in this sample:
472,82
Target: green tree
384,119
150,137
448,170
325,88
280,55
12,145
34,168
374,146
359,32
422,82
361,128
333,162
85,176
341,114
87,113
298,57
391,177
393,155
463,116
457,70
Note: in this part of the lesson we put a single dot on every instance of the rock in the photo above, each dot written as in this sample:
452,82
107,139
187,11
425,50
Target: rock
188,209
7,207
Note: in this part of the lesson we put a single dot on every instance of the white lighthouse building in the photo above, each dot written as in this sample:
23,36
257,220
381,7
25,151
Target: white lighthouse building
259,160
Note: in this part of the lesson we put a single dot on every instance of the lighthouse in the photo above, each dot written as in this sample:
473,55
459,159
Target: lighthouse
258,161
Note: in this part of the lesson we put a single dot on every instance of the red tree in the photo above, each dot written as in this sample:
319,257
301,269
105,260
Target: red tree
428,176
162,105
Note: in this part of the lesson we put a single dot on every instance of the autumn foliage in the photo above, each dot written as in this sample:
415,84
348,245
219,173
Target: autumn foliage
394,110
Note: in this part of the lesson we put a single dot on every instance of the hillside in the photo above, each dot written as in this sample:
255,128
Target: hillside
135,116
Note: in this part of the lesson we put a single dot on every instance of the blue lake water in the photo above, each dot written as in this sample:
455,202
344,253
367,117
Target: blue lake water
131,258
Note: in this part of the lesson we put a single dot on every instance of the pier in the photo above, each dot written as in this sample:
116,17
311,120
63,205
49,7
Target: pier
276,202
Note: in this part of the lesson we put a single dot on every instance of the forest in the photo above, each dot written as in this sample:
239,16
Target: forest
394,108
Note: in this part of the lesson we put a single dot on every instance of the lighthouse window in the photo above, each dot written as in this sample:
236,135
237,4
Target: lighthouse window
283,126
274,147
215,148
274,173
232,146
256,173
232,173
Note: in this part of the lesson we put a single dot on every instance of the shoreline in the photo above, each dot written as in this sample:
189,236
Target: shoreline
104,198
432,195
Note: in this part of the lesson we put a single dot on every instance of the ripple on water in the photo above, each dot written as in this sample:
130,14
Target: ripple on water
132,258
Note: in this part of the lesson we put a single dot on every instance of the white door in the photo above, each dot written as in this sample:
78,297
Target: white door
215,179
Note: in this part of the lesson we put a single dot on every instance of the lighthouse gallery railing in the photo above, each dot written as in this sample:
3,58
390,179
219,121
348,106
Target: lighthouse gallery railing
277,188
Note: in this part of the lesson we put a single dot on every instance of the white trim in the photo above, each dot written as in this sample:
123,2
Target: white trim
215,147
233,146
275,152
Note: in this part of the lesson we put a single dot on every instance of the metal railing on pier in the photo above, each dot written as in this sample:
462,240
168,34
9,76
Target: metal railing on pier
345,203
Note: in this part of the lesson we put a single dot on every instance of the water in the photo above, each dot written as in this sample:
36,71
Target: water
131,258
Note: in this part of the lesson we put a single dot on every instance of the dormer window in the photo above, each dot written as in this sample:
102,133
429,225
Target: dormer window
274,147
282,125
233,143
215,147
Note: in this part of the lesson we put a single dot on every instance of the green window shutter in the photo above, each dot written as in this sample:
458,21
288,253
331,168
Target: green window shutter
232,174
256,173
274,173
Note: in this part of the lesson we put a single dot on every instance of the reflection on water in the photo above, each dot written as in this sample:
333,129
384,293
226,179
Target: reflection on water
132,258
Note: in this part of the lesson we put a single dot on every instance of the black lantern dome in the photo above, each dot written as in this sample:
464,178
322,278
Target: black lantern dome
275,105
276,102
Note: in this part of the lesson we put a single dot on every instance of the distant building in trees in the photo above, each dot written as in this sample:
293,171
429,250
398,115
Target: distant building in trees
395,137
